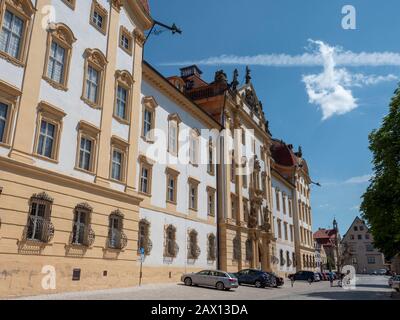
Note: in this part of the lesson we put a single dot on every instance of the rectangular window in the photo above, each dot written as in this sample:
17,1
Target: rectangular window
211,203
144,180
92,84
97,19
173,137
279,229
171,189
359,237
286,231
277,200
3,121
210,167
193,150
117,161
11,34
371,260
147,123
85,154
122,96
284,204
291,234
55,68
192,196
46,139
36,221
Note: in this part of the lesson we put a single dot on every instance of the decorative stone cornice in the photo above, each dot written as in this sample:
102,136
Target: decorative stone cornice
140,38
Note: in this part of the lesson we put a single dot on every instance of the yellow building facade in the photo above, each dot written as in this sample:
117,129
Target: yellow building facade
69,208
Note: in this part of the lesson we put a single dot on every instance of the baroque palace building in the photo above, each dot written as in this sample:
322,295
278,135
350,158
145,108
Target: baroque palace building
102,157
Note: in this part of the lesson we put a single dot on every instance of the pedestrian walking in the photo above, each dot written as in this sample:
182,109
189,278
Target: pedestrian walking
331,278
292,281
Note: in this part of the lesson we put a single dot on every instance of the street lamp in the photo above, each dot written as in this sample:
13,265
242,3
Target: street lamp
174,29
336,228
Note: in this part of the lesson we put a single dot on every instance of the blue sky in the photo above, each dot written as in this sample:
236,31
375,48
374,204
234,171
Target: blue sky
350,89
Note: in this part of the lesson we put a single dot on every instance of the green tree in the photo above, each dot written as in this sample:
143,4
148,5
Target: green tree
381,201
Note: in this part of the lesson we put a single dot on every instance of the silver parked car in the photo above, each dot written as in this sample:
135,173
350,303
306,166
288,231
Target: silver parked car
211,278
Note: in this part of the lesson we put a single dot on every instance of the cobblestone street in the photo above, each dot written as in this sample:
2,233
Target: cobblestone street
368,288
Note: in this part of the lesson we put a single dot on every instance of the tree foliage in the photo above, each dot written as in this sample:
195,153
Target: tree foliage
381,201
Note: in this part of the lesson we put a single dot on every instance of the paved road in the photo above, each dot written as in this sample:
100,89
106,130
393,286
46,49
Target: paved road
368,288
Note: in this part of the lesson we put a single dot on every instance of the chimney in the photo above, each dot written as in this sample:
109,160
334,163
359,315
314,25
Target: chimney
191,71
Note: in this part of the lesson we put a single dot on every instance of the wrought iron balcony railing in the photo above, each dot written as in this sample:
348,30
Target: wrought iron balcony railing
117,240
38,229
82,235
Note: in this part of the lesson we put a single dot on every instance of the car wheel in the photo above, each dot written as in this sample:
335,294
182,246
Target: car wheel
220,286
310,280
188,282
258,284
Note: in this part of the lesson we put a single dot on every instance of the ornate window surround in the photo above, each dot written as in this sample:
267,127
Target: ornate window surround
194,183
96,6
211,192
24,9
211,250
148,164
167,229
194,250
174,120
123,31
53,115
122,146
90,132
70,3
149,104
172,174
97,60
9,96
64,37
124,79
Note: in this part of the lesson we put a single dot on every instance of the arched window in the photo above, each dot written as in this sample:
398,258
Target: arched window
82,233
116,237
39,227
193,248
212,246
58,56
144,237
171,247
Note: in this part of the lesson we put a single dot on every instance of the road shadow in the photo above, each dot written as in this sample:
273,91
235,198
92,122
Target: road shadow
349,295
380,286
207,288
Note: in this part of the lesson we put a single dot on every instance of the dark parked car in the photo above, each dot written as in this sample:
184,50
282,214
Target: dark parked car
304,276
257,278
278,280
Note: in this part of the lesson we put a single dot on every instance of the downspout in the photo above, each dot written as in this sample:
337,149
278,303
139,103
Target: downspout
220,177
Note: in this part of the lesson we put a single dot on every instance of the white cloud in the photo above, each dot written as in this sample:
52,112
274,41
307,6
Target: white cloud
342,58
330,90
359,180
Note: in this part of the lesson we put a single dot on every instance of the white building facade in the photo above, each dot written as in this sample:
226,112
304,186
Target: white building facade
283,220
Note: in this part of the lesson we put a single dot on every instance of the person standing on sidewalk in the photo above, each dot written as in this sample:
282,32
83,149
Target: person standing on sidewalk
331,278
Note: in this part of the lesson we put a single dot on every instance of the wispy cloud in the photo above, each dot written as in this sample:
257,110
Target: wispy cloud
330,90
342,58
359,180
351,181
